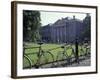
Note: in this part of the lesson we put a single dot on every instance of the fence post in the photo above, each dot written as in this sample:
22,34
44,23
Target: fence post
76,52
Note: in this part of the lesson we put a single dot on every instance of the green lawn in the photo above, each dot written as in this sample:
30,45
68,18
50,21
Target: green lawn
45,47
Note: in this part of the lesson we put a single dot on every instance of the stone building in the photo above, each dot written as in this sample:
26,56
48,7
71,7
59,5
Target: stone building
63,30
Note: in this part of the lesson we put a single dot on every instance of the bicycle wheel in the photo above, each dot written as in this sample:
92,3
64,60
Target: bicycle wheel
34,58
41,60
82,50
46,57
49,56
27,63
60,58
49,59
69,52
88,51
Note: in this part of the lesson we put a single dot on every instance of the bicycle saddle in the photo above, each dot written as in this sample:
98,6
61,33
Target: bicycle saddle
62,46
40,43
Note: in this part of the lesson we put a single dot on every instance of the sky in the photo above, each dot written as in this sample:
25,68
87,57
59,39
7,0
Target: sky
51,17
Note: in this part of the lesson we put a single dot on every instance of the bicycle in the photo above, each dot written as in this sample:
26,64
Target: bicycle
39,58
85,50
65,55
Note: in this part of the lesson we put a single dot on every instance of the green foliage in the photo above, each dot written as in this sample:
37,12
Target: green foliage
31,24
87,31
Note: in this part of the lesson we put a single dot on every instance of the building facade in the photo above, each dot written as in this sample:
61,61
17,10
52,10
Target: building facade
63,30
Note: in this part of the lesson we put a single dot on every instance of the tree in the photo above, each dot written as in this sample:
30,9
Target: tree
87,30
31,24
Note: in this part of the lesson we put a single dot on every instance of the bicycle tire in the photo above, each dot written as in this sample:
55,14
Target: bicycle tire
71,54
82,50
27,63
60,57
50,56
88,52
46,57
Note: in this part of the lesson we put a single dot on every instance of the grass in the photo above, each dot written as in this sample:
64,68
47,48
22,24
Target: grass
32,53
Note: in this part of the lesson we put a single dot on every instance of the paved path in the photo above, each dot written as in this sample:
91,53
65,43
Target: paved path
84,61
